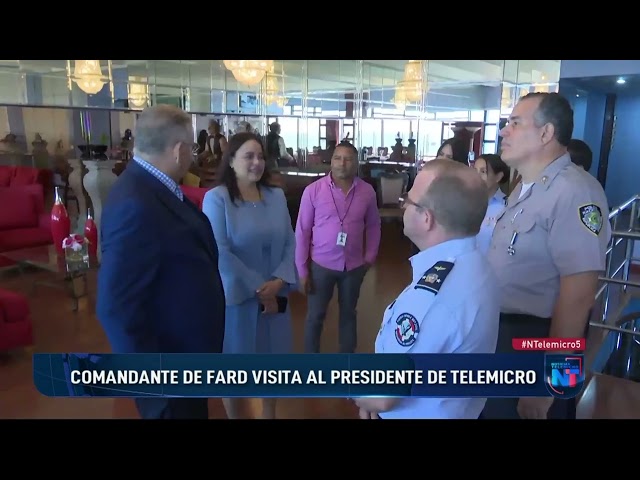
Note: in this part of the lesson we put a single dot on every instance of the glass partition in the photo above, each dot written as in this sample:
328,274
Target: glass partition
523,76
381,106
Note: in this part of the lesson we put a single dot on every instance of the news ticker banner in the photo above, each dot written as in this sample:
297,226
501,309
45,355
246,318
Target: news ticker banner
523,374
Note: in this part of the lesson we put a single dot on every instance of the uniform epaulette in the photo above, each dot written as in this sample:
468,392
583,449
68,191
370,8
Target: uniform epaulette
434,277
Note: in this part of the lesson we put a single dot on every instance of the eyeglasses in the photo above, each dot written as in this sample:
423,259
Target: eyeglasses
404,200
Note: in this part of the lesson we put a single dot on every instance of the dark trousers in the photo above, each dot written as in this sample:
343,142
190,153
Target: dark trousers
523,326
173,408
324,281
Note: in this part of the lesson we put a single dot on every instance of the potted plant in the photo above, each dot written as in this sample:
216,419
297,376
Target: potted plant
99,152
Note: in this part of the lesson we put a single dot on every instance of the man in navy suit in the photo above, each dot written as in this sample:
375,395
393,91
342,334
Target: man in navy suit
159,289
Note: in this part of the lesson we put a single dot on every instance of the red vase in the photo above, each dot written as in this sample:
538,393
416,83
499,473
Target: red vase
91,234
60,222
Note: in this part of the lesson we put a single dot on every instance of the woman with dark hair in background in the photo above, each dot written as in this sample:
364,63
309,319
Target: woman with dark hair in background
454,149
202,141
192,177
495,173
580,153
256,244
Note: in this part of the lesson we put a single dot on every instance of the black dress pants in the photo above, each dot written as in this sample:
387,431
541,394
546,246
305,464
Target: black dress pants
523,326
173,408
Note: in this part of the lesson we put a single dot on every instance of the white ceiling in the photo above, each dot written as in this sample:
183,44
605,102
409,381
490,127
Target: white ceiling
324,75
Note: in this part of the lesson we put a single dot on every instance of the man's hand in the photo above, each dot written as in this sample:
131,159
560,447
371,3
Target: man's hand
375,405
364,415
270,289
534,408
306,285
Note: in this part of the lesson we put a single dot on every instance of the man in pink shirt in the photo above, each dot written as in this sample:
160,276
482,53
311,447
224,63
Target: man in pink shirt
337,240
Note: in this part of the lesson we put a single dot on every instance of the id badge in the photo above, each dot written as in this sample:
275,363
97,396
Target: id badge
342,239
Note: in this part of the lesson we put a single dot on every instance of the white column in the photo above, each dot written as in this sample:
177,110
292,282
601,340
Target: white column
75,182
97,182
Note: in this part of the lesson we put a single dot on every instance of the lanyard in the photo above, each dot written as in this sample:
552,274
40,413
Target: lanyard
353,191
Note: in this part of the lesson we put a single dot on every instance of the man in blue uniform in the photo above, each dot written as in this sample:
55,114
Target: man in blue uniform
452,305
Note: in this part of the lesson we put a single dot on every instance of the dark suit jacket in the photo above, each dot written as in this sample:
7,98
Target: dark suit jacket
159,289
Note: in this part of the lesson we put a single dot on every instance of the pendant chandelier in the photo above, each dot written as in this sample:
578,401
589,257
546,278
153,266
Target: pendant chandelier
400,98
138,92
87,74
412,86
248,72
274,91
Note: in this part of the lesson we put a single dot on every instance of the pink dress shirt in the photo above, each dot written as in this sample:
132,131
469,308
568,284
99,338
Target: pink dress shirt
325,211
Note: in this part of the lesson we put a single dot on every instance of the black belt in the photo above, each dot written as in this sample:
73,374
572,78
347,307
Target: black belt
522,318
520,326
524,321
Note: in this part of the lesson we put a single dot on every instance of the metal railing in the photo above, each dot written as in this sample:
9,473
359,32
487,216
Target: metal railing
618,275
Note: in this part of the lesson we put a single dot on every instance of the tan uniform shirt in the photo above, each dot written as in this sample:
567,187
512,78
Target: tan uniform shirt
559,227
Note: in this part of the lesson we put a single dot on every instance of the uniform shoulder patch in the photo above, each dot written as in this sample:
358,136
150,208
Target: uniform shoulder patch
433,278
407,329
591,217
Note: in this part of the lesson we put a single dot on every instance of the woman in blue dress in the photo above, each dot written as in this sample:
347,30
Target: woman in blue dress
495,173
252,227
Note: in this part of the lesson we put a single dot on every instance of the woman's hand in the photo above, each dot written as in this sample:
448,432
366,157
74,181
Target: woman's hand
270,289
270,306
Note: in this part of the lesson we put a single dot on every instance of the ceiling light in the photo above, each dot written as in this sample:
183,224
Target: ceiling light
248,72
621,81
88,76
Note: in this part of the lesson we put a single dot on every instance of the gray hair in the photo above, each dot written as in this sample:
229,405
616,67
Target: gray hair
556,110
457,197
161,127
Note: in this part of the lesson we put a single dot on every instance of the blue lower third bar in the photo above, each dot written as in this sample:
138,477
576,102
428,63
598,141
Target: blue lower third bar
308,375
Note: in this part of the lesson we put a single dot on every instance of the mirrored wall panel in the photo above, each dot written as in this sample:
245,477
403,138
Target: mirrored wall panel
381,106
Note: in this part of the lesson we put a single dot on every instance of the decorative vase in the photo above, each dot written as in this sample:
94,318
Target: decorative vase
396,150
60,222
99,152
411,150
91,234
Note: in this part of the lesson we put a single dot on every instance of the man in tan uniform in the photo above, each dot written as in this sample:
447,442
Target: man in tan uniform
549,246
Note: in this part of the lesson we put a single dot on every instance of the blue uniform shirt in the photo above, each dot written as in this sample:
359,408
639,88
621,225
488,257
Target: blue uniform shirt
494,210
451,306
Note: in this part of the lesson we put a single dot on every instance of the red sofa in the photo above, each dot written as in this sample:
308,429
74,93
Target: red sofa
16,329
24,223
19,176
195,194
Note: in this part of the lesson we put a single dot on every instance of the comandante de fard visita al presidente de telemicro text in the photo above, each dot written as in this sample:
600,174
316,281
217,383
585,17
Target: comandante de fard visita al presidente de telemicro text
295,377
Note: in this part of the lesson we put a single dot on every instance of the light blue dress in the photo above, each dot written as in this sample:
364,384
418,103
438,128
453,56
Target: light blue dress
494,209
256,243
